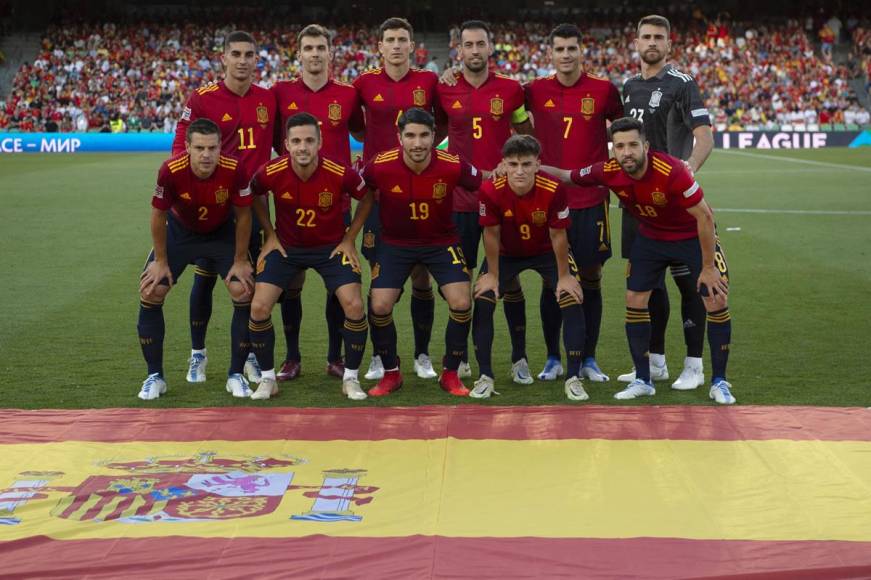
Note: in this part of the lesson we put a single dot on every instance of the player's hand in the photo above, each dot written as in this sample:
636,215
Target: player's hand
242,271
713,281
154,272
501,170
346,248
272,243
486,282
568,284
449,77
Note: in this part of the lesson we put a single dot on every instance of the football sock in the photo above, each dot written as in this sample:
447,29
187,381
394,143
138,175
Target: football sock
239,343
384,338
291,317
482,332
355,333
422,316
719,339
456,337
151,330
592,307
514,305
201,306
573,334
551,321
692,311
659,309
262,337
638,333
335,316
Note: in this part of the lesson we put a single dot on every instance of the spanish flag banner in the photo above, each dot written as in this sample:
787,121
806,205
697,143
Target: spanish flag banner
437,492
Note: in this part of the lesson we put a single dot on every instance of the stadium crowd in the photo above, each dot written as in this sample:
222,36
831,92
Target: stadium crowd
134,77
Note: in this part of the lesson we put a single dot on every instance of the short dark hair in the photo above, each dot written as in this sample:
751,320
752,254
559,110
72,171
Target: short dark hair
301,120
564,30
395,23
624,124
203,126
519,145
417,116
314,30
475,25
654,20
239,36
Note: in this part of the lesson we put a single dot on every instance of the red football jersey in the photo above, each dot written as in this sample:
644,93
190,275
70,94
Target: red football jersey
201,205
659,200
385,99
308,213
337,107
570,124
417,209
247,123
525,220
479,123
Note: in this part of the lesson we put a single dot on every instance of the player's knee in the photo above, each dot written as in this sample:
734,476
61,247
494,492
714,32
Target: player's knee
239,293
261,309
353,308
155,295
381,306
591,277
512,285
460,302
637,299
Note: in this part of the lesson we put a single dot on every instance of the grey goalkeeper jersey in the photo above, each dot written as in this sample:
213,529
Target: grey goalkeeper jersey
670,105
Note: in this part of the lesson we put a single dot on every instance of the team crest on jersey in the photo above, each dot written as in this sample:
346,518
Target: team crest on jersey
334,112
369,240
262,114
539,217
325,199
659,198
221,195
497,107
419,96
588,106
439,191
655,97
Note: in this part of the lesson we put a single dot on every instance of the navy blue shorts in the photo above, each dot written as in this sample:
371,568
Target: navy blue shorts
590,235
371,235
217,249
279,271
510,268
470,234
650,259
206,267
393,264
628,233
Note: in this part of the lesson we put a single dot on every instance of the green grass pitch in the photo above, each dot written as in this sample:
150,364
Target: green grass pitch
794,225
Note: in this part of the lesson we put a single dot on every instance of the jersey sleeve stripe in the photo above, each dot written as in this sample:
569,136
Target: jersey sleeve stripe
334,166
338,172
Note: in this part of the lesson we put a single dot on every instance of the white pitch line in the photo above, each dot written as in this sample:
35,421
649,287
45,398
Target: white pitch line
794,160
783,211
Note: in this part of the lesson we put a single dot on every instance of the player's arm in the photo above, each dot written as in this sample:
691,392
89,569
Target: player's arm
241,268
489,282
696,116
261,212
564,175
158,269
566,283
521,121
348,245
710,275
188,115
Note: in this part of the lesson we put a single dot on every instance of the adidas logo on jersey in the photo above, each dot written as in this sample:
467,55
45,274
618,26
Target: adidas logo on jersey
456,105
226,118
186,196
396,189
508,213
549,104
286,195
292,106
378,98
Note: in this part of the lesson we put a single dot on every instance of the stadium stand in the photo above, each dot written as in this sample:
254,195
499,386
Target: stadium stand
135,76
